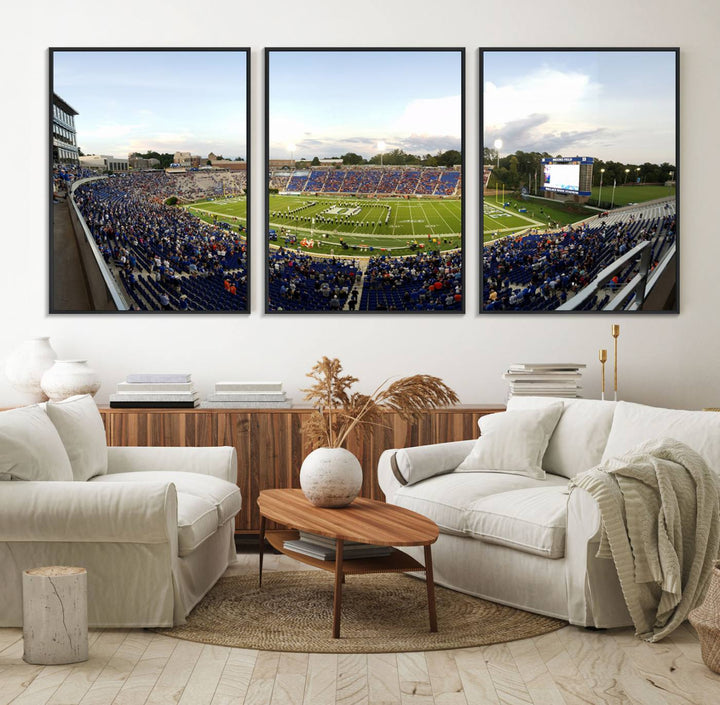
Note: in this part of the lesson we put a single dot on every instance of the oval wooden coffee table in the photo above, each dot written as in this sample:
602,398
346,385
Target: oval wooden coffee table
366,521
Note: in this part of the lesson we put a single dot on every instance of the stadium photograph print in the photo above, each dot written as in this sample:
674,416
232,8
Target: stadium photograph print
149,180
580,180
364,180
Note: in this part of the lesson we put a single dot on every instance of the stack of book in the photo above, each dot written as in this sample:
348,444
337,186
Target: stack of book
544,379
156,391
323,548
247,395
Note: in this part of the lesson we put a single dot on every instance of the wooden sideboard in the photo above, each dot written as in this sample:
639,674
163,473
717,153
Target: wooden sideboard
270,443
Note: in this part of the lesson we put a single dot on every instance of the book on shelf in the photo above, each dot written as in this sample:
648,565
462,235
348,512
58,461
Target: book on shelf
326,553
158,377
143,404
246,404
248,396
132,387
326,540
544,366
221,387
155,396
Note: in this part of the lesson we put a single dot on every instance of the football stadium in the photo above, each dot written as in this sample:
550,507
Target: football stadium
365,238
164,255
579,201
369,217
538,255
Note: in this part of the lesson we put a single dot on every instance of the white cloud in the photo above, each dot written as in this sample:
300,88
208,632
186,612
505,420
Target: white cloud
565,97
430,116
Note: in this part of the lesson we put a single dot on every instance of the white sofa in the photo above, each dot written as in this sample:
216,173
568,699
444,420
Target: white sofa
154,527
527,541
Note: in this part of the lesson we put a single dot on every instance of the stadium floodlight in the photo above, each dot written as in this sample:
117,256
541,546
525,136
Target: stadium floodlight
627,171
602,171
637,174
382,146
291,148
498,146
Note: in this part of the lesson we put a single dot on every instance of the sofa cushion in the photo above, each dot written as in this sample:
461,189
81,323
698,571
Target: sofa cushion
446,499
634,424
197,521
532,520
223,495
81,429
580,437
513,442
421,462
30,447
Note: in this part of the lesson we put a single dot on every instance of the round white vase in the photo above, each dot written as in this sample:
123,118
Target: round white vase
66,378
331,477
25,366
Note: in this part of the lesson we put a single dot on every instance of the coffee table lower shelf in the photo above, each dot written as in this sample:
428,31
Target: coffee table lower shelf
396,562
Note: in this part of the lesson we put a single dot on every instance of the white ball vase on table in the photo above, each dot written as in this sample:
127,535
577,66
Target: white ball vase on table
331,476
67,378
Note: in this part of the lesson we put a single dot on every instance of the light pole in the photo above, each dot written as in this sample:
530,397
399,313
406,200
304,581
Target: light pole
498,146
627,171
602,171
637,174
382,146
291,149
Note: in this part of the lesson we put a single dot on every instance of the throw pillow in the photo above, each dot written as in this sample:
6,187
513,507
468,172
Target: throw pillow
579,439
411,465
513,442
30,447
80,426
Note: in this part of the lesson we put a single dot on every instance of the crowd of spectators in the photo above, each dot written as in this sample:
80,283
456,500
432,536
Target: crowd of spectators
159,251
428,281
541,271
375,181
422,282
299,282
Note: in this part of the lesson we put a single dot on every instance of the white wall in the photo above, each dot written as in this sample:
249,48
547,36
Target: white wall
664,359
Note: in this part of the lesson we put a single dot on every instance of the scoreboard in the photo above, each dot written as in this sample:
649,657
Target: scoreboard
571,175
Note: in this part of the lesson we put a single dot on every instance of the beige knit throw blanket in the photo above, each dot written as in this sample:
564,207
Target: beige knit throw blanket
660,524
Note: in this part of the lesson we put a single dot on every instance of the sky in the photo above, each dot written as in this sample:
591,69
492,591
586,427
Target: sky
328,103
163,101
614,106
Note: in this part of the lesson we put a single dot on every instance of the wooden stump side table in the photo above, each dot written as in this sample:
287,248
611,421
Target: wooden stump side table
55,623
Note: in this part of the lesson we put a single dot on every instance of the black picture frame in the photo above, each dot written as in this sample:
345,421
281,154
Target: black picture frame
632,264
115,271
397,299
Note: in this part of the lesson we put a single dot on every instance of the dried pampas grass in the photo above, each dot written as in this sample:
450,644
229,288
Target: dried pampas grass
338,410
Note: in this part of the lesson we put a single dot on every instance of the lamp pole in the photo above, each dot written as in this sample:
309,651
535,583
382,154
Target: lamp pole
602,171
627,171
382,146
498,146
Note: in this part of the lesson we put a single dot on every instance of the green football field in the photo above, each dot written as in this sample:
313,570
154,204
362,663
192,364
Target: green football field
631,193
500,221
366,226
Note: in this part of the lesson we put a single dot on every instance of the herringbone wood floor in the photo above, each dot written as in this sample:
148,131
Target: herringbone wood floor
569,666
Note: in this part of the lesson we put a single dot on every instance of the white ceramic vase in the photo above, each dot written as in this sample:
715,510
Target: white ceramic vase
66,378
25,366
331,477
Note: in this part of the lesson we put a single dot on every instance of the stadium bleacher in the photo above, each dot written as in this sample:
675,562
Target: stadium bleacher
164,257
376,181
540,271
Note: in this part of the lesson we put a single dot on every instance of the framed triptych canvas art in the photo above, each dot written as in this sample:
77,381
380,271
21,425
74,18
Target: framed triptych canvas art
150,151
580,180
364,180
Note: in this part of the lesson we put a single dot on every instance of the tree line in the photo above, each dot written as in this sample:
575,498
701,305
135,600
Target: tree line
525,169
395,157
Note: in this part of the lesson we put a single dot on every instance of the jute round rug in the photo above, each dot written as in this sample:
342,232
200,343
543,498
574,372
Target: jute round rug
380,613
